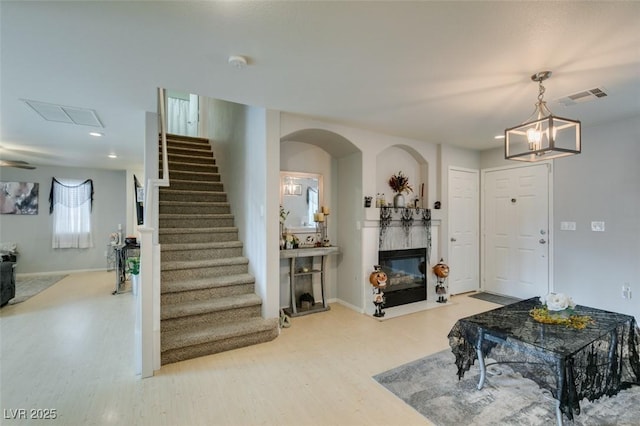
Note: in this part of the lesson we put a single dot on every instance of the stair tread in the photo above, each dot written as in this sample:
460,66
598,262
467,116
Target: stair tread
200,246
188,191
198,307
176,339
175,137
195,215
193,147
187,172
193,181
206,283
172,265
197,230
198,203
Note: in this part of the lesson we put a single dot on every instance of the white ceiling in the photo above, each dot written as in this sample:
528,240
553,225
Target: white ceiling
443,72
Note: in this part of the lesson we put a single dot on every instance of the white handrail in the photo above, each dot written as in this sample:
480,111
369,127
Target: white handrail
150,209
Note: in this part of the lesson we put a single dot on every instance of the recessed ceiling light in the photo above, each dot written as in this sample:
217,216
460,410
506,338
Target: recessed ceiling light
499,137
113,156
238,61
96,134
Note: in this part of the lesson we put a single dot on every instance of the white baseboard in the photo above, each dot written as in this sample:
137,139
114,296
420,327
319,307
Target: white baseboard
67,272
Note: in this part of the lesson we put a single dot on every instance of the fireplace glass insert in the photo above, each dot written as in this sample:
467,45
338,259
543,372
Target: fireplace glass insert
406,279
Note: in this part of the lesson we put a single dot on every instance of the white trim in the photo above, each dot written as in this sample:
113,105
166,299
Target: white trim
347,305
67,272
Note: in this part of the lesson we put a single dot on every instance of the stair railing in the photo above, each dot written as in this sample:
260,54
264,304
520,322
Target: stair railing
148,302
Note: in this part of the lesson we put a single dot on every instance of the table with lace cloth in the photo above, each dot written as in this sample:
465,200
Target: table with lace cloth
572,364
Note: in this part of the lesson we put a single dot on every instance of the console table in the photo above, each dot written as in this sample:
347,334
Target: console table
601,359
294,274
122,253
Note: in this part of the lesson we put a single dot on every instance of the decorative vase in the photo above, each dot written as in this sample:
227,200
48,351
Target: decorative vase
398,200
135,283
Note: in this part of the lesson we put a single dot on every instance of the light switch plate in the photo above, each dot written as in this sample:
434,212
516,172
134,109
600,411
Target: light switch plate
567,226
597,226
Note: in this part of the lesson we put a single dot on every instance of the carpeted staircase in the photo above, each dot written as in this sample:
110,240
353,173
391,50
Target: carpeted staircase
208,303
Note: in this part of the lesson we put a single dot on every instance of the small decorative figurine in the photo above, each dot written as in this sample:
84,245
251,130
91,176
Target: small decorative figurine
441,271
378,280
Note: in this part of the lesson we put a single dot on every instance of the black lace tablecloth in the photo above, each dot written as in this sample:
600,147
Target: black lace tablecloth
599,360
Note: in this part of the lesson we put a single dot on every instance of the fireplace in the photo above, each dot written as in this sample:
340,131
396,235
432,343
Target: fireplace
406,279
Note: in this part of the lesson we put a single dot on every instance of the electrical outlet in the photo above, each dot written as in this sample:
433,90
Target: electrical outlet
626,291
628,288
567,226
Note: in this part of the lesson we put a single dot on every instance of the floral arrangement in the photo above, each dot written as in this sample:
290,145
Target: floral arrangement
400,183
283,214
557,301
558,308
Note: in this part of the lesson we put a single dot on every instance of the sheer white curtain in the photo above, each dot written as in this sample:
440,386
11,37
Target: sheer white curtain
177,116
70,203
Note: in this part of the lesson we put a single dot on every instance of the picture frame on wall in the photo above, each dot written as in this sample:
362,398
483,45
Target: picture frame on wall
19,198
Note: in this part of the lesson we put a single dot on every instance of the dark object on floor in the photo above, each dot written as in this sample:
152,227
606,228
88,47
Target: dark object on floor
307,301
7,281
494,298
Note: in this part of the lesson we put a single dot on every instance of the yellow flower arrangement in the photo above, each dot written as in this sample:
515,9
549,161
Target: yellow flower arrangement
557,308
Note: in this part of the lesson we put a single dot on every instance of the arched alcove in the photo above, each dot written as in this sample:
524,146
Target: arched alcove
336,145
340,162
405,159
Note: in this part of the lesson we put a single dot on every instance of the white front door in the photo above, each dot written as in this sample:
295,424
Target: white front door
463,230
516,231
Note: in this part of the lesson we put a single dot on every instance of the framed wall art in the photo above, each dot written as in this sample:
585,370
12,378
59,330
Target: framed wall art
19,198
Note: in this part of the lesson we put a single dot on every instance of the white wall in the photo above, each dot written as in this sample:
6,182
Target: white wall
350,206
245,141
33,234
600,184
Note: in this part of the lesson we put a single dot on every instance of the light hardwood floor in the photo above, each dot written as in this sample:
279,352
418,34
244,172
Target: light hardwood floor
70,348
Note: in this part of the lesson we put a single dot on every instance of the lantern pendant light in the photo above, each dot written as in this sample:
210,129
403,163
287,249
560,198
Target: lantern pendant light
543,136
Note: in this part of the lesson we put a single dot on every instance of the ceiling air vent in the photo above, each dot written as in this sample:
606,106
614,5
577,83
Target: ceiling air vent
584,96
65,114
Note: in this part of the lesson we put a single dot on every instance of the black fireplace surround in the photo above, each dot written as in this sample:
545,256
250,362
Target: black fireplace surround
406,279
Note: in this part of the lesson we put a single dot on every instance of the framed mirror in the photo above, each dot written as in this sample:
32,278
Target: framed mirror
301,195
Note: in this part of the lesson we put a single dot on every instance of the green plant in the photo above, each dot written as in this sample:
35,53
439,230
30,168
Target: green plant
283,214
133,263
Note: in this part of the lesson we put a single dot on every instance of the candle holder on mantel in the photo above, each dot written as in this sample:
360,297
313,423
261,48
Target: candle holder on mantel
321,226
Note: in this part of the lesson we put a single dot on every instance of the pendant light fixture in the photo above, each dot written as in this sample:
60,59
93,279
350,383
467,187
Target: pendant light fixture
543,136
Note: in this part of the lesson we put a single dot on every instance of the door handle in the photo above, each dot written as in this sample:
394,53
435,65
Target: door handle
542,241
453,240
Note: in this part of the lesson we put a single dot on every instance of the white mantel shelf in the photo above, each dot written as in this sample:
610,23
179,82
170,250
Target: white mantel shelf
308,252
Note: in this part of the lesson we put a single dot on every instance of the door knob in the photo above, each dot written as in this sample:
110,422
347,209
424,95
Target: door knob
453,240
542,241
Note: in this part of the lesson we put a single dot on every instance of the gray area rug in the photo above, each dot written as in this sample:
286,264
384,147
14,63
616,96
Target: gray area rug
30,286
494,298
430,385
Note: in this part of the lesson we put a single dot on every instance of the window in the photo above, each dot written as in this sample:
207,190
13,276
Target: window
70,202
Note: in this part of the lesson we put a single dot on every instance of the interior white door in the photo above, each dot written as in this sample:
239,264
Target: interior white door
193,118
516,231
464,212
